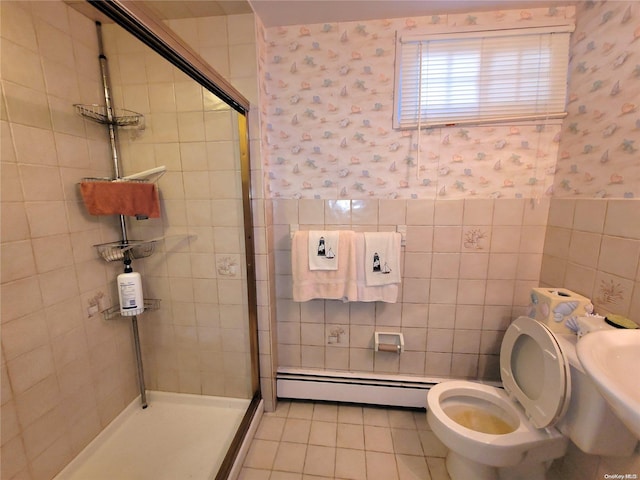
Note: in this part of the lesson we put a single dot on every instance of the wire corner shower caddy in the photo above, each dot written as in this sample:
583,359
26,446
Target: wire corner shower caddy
123,250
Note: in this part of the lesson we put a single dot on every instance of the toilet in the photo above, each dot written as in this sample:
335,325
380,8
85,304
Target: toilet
516,432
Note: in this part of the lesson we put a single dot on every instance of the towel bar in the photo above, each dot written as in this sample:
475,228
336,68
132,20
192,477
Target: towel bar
401,229
146,176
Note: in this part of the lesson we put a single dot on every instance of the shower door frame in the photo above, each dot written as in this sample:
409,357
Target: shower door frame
138,21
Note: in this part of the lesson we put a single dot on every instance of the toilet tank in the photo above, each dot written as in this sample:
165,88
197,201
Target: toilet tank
589,421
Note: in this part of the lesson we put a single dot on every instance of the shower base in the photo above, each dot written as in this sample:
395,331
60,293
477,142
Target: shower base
178,436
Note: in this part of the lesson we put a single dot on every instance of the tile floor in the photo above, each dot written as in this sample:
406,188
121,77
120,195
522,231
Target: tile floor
305,440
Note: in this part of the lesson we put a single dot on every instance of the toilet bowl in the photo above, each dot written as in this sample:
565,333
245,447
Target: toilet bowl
488,436
495,433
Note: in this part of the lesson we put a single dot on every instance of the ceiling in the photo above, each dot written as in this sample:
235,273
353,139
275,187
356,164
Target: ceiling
295,12
174,9
275,13
171,9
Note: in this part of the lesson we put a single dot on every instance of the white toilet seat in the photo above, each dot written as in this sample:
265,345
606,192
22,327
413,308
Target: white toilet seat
535,371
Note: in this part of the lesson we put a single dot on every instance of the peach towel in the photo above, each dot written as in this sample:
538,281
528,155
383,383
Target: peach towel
340,284
121,198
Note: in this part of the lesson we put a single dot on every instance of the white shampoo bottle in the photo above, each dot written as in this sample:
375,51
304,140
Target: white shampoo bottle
130,291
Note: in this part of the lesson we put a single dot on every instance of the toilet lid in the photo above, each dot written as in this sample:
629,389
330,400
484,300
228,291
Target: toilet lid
535,372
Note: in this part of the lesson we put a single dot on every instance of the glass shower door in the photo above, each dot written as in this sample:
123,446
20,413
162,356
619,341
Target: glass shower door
200,345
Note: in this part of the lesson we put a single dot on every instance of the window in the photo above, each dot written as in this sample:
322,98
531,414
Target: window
481,77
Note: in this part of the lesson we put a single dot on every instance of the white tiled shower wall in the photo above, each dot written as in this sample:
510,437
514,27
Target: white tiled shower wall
198,341
65,376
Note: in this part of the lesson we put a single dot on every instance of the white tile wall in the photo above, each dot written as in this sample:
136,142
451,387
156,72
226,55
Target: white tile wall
593,248
465,263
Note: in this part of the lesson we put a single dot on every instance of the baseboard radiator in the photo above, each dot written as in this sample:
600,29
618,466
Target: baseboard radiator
392,390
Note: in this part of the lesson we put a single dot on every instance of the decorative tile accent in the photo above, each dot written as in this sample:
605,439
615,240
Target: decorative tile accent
227,266
474,239
337,335
610,292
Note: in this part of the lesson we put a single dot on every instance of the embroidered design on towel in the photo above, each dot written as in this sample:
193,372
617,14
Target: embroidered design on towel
378,267
381,260
323,251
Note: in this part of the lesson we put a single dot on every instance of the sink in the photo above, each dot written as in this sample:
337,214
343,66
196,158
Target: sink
612,358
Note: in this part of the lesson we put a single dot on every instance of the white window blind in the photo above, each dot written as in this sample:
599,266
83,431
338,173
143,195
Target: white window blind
481,77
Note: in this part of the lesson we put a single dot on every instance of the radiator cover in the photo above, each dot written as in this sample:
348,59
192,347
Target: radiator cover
348,387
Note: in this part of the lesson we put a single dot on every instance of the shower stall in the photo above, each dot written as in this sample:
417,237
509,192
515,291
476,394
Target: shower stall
197,338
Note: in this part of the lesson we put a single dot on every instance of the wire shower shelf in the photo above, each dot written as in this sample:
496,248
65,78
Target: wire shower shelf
114,311
114,251
121,118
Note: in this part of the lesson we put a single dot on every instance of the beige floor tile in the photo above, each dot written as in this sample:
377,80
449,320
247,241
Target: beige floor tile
378,439
381,466
350,436
261,454
301,410
375,416
401,419
323,433
420,417
437,468
431,445
282,409
320,461
351,464
412,467
270,428
296,430
290,457
325,412
253,474
350,414
406,441
285,476
329,441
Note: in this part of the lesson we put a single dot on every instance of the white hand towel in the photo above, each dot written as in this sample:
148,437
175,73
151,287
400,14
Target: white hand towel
376,293
382,258
338,284
323,250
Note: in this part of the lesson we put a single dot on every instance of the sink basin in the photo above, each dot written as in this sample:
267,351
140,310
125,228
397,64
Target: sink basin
612,358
